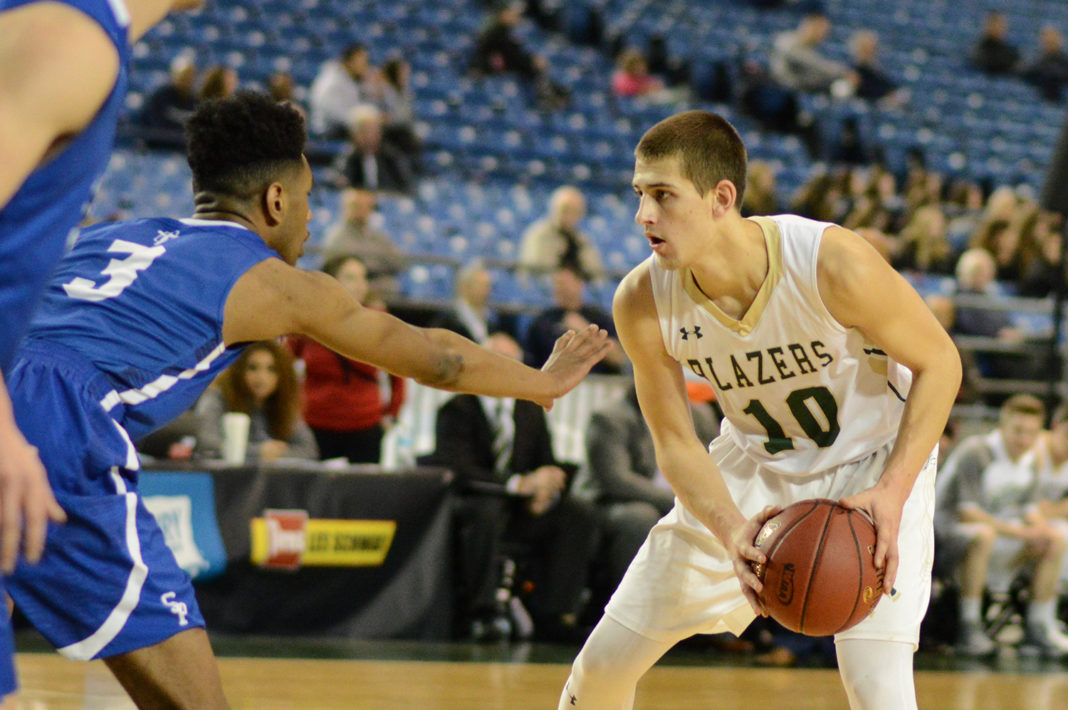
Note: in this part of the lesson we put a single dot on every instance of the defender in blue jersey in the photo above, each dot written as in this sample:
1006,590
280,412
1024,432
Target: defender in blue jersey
138,319
63,82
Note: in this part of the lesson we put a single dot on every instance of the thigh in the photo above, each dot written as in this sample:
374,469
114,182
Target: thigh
180,672
131,591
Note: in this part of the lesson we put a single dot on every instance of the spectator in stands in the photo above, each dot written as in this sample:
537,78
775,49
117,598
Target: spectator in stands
505,445
1001,237
993,54
556,238
343,402
168,107
975,276
873,84
341,85
988,522
358,233
1049,70
621,477
923,246
632,78
469,314
1042,271
369,162
498,51
263,384
282,88
570,312
398,110
797,64
761,196
219,82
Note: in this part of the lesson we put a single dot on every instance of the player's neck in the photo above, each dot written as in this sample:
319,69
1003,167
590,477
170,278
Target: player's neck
734,264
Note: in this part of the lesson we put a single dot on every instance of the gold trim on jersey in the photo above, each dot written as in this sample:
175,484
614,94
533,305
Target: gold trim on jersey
773,244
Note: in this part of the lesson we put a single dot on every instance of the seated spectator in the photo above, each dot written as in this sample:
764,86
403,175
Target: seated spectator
873,84
570,312
556,239
168,107
369,162
975,276
761,197
622,478
341,85
632,77
469,313
219,82
357,233
1042,271
993,54
398,109
262,384
923,246
281,87
343,398
499,51
1001,238
505,444
1049,70
797,64
989,529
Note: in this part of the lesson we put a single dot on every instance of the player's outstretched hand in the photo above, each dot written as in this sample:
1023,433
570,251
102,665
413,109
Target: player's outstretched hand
572,357
885,512
744,555
26,500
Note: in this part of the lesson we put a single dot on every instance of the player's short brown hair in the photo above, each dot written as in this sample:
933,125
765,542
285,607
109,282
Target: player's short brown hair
708,146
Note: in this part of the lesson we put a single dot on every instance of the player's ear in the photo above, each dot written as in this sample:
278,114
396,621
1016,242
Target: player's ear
274,202
723,196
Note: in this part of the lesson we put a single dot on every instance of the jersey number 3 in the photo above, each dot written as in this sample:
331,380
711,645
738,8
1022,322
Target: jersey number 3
120,272
798,404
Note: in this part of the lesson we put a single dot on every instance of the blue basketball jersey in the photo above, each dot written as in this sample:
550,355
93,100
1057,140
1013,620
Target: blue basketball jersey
141,302
39,218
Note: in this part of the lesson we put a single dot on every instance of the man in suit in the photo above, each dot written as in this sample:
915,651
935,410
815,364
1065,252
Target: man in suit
512,490
470,314
370,163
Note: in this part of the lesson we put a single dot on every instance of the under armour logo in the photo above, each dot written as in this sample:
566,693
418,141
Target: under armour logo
687,333
163,236
178,608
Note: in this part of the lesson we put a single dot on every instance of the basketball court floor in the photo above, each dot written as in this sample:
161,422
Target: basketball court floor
295,674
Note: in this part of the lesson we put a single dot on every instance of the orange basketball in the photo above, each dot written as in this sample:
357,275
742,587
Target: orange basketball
820,575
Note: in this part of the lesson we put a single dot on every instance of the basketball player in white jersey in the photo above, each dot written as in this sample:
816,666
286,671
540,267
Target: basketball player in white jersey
835,381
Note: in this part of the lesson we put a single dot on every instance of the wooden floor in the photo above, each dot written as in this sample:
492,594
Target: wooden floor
52,683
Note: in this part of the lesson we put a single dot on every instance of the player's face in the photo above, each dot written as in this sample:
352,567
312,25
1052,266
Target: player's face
670,211
1020,432
261,375
295,221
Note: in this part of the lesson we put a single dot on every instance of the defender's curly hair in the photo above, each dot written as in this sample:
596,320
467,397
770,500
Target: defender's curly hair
238,145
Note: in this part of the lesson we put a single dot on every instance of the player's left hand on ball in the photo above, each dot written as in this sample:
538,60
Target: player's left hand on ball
744,555
885,512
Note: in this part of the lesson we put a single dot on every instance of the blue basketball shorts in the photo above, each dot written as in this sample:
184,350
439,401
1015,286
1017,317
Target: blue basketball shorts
107,582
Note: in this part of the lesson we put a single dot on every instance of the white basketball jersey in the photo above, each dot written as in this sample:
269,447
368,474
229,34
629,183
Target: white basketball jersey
799,392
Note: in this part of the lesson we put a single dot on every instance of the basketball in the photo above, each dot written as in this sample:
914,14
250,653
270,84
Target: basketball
820,575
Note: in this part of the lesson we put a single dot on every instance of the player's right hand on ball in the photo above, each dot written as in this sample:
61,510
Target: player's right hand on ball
744,555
